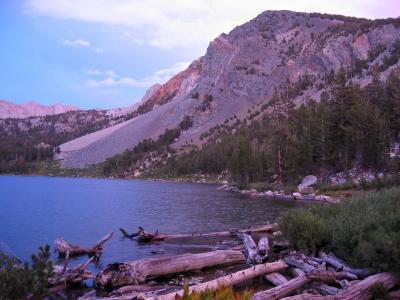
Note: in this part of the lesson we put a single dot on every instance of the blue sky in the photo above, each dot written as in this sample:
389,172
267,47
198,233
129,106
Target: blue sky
106,53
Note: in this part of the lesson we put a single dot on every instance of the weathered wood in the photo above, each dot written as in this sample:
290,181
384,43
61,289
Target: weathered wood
263,247
69,276
251,248
296,272
150,286
325,289
145,236
298,262
275,278
340,265
360,291
63,247
292,285
283,289
136,272
228,280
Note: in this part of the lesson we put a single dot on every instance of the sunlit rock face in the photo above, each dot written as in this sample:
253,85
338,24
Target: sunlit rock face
240,72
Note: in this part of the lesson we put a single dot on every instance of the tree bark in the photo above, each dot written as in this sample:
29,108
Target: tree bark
228,280
276,278
251,248
137,272
340,265
360,291
294,284
144,236
63,247
66,276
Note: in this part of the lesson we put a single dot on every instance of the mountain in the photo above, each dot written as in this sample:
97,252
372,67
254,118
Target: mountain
241,71
30,109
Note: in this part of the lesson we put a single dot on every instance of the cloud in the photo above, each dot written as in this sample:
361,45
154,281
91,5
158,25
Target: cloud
82,44
182,23
114,80
97,72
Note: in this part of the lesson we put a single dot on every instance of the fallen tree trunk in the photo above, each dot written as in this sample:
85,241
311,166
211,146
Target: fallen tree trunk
340,265
360,291
144,236
290,286
63,247
228,280
137,272
276,278
251,248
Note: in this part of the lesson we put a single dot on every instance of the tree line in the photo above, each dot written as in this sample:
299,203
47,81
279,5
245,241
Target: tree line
349,125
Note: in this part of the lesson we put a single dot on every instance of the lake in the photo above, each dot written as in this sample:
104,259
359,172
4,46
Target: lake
35,211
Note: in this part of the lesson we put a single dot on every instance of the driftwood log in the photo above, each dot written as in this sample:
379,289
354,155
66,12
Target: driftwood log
228,280
253,257
332,260
292,285
143,236
63,247
359,291
276,278
137,272
64,276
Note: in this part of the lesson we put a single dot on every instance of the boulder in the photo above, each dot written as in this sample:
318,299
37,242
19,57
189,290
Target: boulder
307,181
307,190
297,196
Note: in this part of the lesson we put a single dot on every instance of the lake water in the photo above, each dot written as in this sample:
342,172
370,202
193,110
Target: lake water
36,210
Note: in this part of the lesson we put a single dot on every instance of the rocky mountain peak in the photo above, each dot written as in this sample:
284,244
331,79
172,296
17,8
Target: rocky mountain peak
31,108
241,70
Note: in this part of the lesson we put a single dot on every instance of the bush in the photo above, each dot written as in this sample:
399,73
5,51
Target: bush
222,293
22,281
362,230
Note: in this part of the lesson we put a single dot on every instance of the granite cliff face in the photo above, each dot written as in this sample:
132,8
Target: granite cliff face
30,109
241,70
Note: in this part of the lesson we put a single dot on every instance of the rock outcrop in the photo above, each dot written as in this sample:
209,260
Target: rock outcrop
241,70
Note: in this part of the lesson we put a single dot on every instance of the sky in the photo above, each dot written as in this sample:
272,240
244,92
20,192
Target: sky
107,53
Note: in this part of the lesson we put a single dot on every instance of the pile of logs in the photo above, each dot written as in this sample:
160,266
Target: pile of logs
294,276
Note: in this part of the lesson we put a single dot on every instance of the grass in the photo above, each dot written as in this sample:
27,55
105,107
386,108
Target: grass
363,230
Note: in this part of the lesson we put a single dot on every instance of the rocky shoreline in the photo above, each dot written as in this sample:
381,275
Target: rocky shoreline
278,195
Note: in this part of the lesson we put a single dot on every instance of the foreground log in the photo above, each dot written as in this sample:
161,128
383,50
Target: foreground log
141,288
292,285
137,272
144,236
63,247
340,265
228,280
360,291
276,278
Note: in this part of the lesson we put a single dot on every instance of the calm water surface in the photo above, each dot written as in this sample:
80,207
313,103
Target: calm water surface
36,210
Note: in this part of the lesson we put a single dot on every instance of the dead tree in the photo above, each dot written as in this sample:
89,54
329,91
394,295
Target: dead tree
63,247
143,236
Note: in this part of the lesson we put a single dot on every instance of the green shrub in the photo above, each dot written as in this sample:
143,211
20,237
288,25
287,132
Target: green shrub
363,230
22,281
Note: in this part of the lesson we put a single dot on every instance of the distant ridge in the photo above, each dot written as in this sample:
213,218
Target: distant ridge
31,108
